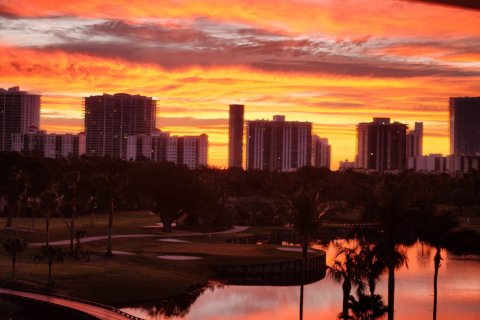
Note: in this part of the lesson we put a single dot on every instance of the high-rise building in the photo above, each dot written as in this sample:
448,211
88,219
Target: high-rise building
82,144
465,126
381,145
139,147
321,152
173,149
432,163
415,141
195,151
415,147
278,145
110,119
235,135
191,151
457,165
50,145
68,145
31,142
19,111
346,165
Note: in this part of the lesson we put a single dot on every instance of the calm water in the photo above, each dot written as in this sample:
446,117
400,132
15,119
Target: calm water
459,294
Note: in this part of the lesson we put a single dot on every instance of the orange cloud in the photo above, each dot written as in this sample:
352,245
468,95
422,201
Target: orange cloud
463,57
334,103
371,18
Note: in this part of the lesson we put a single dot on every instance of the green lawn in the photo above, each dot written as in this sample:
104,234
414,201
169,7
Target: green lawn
124,223
126,279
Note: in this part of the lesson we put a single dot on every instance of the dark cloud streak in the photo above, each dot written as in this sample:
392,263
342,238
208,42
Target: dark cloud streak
369,69
175,47
466,4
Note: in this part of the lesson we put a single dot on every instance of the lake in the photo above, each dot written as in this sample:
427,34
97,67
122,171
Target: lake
458,298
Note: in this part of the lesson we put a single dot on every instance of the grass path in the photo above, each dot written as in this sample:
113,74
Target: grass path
235,229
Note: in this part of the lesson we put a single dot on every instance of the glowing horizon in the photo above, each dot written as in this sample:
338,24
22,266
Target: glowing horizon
332,63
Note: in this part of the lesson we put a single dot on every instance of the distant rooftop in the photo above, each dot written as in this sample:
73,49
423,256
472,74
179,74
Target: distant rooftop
381,120
12,89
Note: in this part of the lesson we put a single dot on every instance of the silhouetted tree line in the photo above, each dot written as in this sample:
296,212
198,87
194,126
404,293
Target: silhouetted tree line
401,209
210,196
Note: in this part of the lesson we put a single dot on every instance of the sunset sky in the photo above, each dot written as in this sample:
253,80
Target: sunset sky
332,62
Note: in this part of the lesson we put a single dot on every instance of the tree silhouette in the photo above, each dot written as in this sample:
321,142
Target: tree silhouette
345,270
372,266
70,184
438,233
14,246
92,204
17,185
79,234
33,205
110,185
51,255
306,209
170,191
367,307
48,205
400,204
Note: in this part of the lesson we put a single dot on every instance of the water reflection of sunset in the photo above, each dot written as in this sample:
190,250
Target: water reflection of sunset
458,293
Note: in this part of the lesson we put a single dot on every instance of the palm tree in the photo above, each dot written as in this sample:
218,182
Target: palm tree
367,307
79,234
110,185
306,210
92,203
393,257
48,205
17,185
51,254
399,206
437,233
372,266
14,246
71,180
345,270
33,204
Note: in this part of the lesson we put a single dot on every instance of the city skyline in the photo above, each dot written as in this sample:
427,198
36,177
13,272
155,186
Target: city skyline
383,59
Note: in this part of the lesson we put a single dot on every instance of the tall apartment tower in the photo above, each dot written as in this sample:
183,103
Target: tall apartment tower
321,152
110,119
235,135
19,111
278,145
415,141
381,145
465,126
415,147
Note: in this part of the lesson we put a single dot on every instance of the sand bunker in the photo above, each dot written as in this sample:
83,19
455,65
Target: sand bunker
172,240
173,257
124,253
295,249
